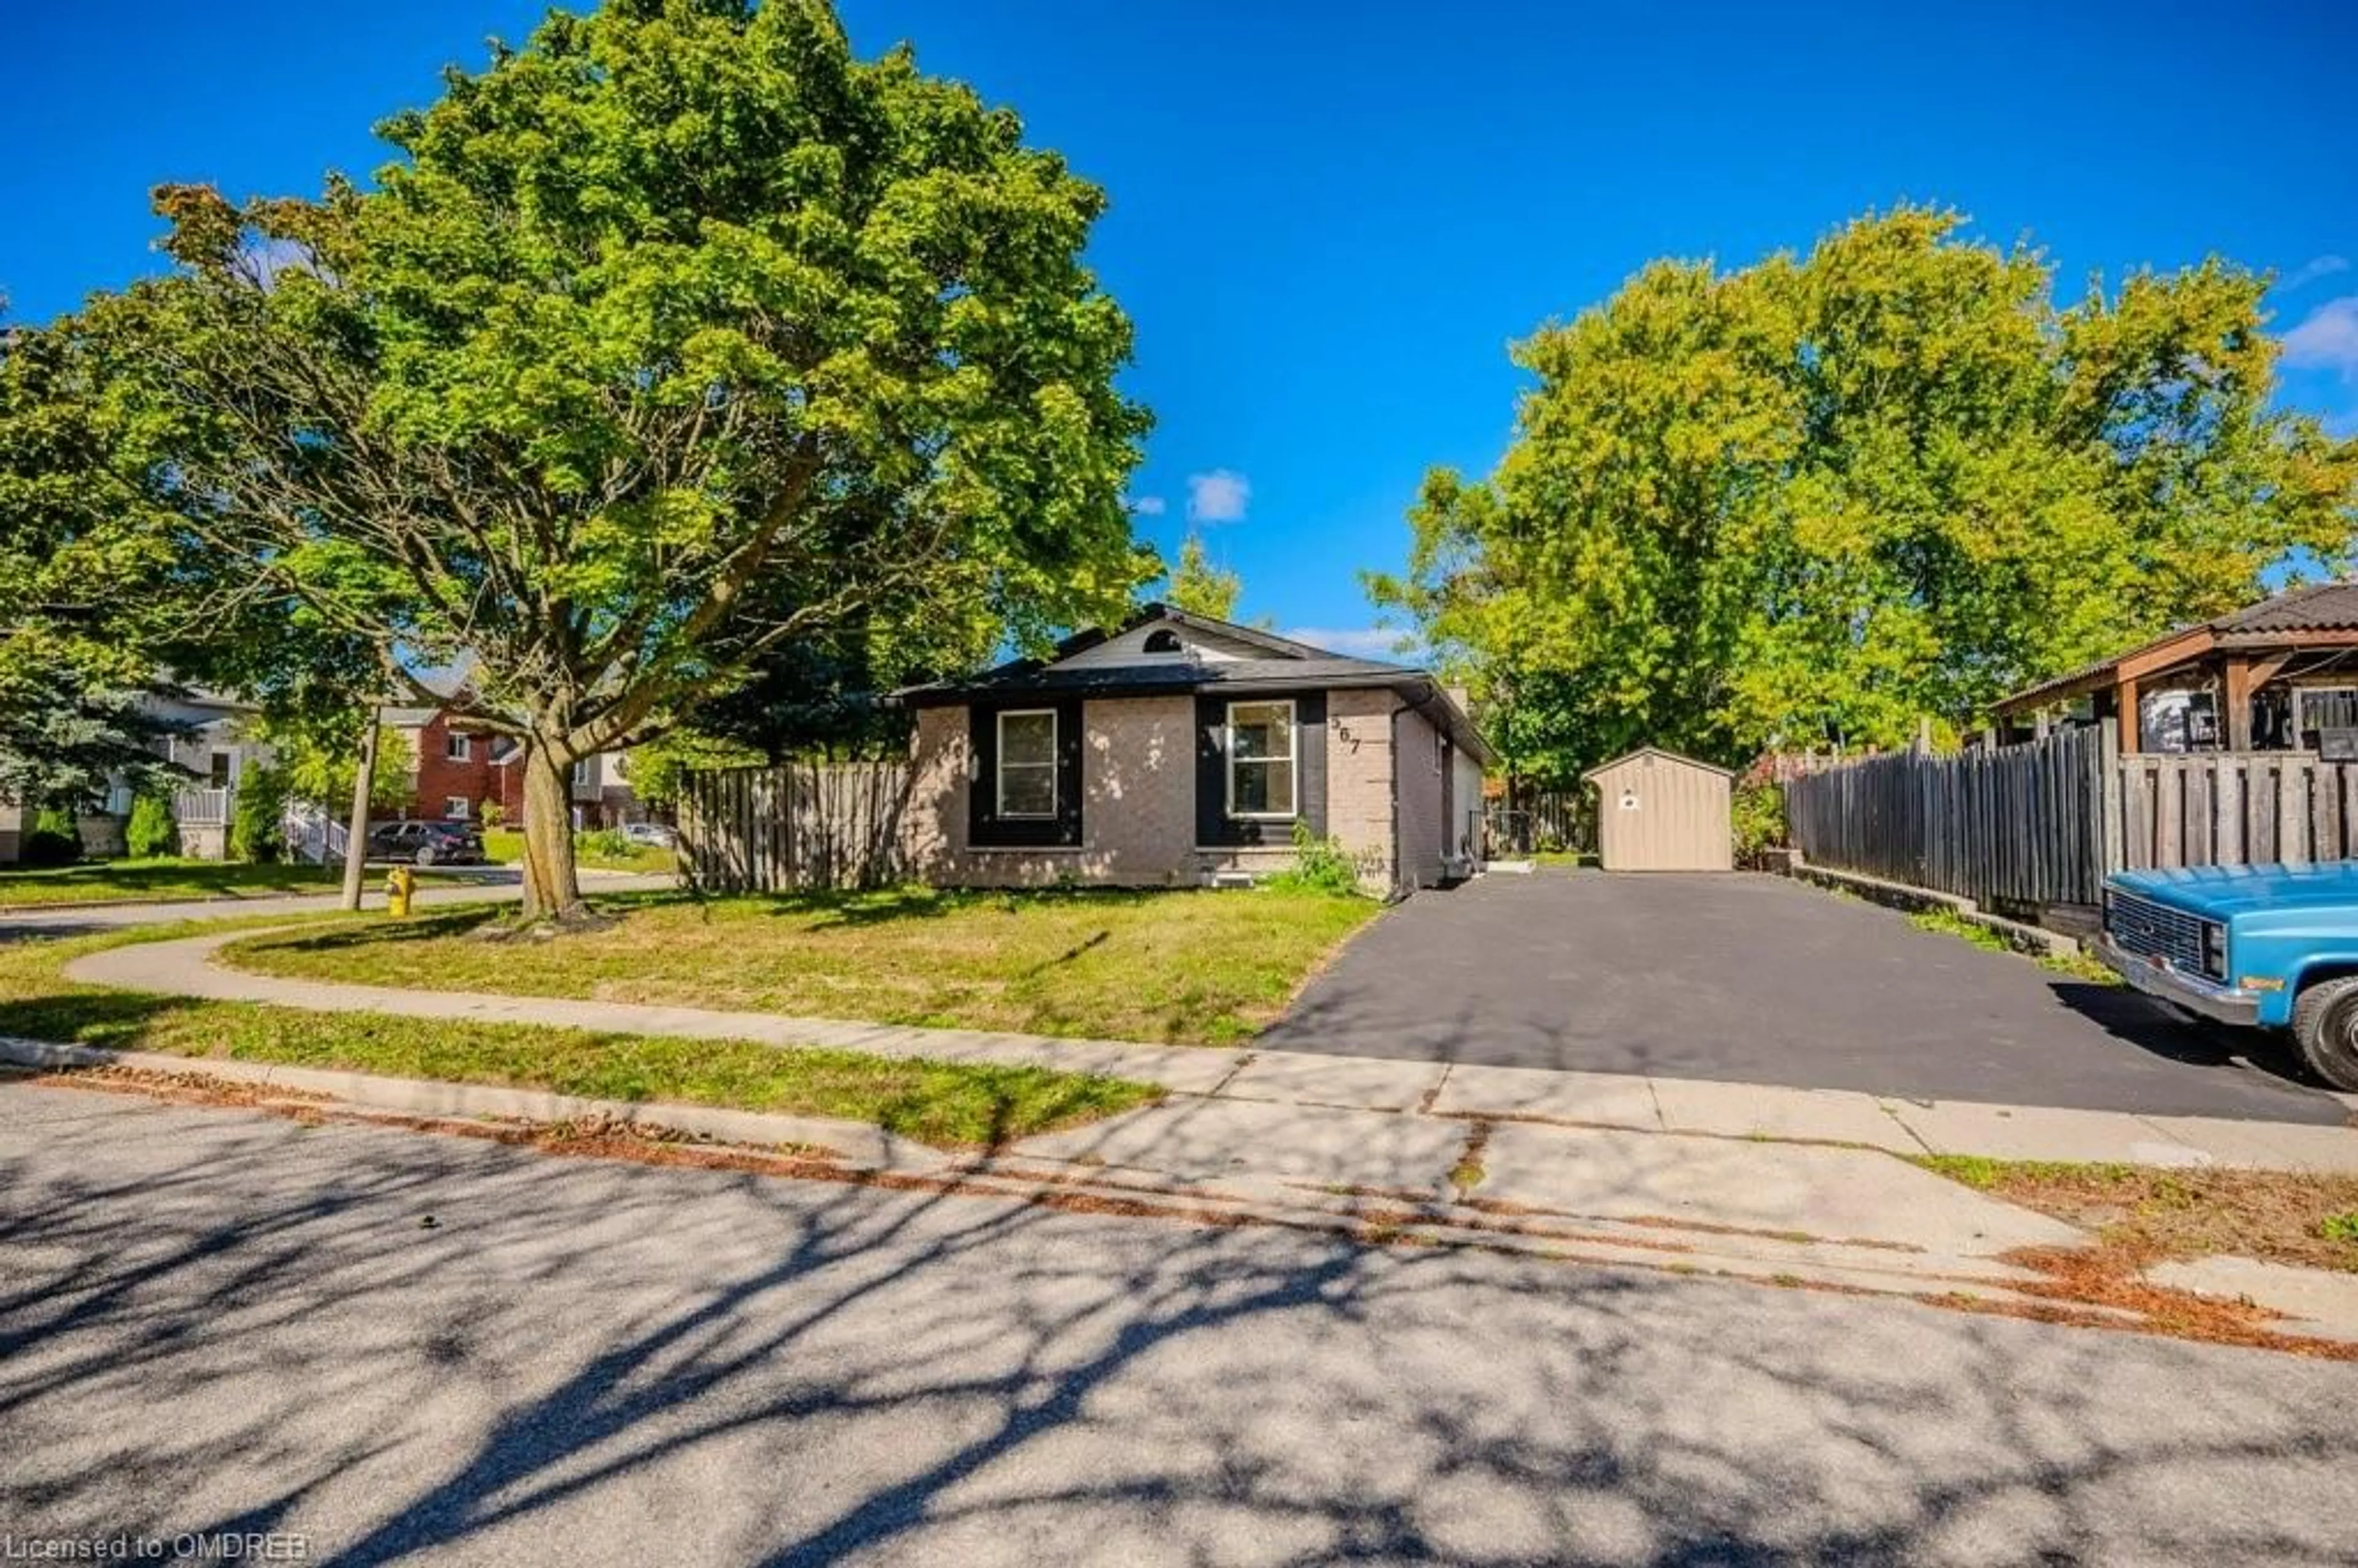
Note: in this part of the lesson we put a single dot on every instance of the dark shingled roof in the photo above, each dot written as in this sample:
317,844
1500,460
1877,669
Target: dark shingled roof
1292,666
1134,680
2321,607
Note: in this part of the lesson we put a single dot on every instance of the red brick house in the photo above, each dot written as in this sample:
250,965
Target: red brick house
456,771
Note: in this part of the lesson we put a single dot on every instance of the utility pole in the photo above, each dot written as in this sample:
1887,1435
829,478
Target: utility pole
356,839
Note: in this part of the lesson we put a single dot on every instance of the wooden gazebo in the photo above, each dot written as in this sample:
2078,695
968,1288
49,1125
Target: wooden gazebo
2273,677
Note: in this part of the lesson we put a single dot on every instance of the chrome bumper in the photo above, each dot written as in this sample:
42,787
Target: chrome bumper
2196,993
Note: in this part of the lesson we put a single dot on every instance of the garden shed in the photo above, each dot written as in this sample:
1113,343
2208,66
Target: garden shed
1657,811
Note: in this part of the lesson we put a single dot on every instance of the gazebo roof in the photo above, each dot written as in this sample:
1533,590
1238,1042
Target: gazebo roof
2323,615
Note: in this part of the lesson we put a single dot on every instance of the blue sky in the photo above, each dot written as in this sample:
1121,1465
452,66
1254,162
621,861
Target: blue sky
1329,220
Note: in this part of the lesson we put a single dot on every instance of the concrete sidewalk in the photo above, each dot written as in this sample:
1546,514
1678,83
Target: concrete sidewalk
1761,1182
1425,1090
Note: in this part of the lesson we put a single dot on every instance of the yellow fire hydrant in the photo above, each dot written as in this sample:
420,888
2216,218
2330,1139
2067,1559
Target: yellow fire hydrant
399,884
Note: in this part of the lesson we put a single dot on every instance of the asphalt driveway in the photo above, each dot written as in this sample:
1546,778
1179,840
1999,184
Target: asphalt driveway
1760,980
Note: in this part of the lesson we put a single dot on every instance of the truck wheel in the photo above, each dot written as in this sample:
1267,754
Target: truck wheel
2325,1022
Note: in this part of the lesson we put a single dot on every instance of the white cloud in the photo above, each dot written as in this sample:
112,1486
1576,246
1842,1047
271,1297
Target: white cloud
2310,271
1147,505
1219,496
1352,642
2329,338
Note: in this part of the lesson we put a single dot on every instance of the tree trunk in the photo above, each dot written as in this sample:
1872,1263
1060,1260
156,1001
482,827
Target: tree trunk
552,883
356,837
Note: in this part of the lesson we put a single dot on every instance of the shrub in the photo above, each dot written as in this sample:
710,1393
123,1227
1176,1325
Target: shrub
53,841
1760,811
491,814
257,826
1319,865
152,831
604,843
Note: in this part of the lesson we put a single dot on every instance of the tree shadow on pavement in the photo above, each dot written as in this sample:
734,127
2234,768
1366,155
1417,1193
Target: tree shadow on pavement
419,1345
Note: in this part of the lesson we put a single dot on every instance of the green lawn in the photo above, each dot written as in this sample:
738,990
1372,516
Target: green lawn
145,882
505,847
1193,967
942,1103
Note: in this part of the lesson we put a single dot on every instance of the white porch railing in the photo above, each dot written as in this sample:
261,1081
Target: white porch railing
202,808
311,835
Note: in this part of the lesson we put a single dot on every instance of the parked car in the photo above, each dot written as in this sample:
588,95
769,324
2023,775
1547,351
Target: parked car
426,843
2272,947
651,835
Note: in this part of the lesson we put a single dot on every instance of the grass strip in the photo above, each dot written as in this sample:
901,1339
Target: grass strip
1175,967
1948,922
2152,1214
157,880
951,1105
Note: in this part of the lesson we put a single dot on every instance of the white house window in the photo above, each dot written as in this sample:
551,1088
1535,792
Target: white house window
218,770
582,779
1027,763
455,808
1260,759
457,748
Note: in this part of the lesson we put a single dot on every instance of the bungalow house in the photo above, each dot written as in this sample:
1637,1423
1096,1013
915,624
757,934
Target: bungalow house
1184,750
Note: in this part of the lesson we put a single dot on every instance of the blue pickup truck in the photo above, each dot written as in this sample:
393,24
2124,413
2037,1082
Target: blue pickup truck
2259,946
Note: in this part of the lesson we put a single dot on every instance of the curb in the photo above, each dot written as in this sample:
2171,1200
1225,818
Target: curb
2022,938
852,1142
856,1149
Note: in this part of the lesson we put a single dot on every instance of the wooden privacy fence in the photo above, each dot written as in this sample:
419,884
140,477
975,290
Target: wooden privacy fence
797,824
2024,825
2234,808
2041,823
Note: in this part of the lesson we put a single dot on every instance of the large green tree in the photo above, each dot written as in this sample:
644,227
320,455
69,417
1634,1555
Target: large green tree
75,657
674,336
1200,587
1821,499
107,607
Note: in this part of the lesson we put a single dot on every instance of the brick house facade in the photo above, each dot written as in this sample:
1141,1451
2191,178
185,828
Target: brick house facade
456,771
1184,750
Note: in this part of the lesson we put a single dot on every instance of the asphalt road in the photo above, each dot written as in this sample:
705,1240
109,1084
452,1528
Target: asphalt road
1761,980
432,1349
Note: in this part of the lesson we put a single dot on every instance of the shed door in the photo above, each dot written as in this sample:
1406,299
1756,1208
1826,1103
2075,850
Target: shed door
1656,814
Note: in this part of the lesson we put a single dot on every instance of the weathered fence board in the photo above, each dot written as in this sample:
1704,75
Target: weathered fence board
798,825
2023,825
2041,823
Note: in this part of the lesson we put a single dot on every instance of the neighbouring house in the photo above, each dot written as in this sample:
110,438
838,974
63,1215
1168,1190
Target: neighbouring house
602,797
2278,676
455,771
1182,750
216,736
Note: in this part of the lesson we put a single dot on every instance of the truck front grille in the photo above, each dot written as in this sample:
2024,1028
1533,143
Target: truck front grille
2153,930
